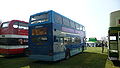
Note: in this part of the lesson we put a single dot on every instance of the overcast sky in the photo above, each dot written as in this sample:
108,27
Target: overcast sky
93,14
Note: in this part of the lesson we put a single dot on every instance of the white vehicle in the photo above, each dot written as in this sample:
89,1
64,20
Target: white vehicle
114,36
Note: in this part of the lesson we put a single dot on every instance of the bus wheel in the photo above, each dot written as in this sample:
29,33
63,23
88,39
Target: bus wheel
67,54
26,52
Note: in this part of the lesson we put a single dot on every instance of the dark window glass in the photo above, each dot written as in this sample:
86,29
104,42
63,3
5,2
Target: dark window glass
56,39
77,40
69,40
119,21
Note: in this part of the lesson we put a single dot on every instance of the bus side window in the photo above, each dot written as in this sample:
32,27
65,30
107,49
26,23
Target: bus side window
56,39
113,38
61,41
73,40
77,40
67,40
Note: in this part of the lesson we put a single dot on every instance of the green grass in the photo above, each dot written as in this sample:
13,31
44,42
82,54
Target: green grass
92,58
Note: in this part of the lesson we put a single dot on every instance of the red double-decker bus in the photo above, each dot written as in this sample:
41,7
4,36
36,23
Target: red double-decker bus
13,37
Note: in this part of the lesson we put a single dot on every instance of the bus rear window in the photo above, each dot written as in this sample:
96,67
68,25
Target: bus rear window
39,31
5,25
39,18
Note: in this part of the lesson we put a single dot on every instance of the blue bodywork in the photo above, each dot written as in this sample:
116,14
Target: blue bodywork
53,21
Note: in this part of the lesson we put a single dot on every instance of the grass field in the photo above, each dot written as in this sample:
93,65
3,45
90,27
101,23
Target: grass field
91,58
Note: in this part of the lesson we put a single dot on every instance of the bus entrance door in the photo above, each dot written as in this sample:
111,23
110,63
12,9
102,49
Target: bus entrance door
119,45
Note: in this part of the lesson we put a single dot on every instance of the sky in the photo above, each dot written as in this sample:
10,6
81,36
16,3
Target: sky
93,14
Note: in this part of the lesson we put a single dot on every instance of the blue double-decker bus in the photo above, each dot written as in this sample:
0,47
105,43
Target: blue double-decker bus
53,36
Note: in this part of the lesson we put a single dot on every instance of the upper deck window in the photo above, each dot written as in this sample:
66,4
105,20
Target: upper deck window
66,21
78,26
20,25
5,25
72,24
83,28
58,19
39,18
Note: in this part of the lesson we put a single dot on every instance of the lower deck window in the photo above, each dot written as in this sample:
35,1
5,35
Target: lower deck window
67,40
112,37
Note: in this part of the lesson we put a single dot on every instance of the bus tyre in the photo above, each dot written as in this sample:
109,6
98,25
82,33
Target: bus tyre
26,52
67,54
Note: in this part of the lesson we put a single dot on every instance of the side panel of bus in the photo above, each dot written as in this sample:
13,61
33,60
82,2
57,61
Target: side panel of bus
61,33
58,44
